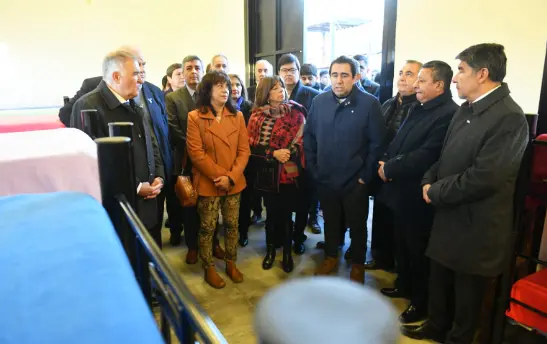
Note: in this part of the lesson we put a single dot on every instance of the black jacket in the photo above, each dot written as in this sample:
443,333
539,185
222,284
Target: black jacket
473,183
246,109
343,141
395,113
414,149
303,95
251,92
146,155
156,108
88,85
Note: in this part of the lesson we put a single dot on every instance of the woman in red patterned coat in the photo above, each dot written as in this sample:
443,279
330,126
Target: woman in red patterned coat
277,156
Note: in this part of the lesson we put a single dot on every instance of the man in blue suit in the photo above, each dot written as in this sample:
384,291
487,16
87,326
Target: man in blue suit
151,100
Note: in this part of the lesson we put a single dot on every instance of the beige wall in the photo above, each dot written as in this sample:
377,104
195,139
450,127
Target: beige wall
48,47
440,29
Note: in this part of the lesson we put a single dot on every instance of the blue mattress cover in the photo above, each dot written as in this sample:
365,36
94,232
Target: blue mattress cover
64,277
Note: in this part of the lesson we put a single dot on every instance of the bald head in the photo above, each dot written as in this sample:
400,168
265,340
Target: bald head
263,68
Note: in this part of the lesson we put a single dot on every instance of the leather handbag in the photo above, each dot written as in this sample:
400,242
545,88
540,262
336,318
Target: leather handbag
186,193
267,174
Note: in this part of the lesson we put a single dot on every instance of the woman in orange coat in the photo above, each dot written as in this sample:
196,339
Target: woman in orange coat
219,149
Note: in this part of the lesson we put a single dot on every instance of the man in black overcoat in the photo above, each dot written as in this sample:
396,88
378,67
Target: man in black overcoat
472,186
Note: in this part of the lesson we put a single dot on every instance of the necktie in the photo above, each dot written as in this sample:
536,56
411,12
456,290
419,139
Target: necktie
141,122
195,97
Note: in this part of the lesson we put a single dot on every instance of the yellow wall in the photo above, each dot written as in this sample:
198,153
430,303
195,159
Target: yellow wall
440,29
48,47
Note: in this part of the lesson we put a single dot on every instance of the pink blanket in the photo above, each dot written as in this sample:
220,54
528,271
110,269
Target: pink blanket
48,161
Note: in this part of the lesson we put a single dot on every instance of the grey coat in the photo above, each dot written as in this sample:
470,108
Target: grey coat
472,185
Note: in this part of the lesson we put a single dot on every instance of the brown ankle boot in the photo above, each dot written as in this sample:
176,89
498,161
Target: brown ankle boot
192,257
357,273
218,252
233,272
213,278
327,267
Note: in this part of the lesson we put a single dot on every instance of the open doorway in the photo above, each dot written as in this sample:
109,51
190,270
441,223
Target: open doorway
344,27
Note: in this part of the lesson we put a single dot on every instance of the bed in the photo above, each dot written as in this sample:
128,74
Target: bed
48,161
65,276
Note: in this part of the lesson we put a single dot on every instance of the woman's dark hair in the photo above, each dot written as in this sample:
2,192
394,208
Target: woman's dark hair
244,90
264,87
205,91
164,82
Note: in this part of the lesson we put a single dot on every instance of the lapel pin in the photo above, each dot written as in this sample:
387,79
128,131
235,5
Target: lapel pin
468,121
150,100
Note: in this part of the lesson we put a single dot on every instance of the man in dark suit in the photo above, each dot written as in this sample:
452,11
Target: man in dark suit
472,187
179,104
395,111
114,101
309,77
414,149
150,99
369,85
88,85
289,71
263,68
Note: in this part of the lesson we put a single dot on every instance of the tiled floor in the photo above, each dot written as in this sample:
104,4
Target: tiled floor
241,299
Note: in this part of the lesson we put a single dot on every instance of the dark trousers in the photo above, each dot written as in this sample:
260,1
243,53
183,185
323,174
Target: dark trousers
303,199
191,227
279,207
256,201
314,202
455,300
413,221
174,211
382,243
351,206
245,211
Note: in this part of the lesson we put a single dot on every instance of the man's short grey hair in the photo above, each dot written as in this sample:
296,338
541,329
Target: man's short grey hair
113,62
415,62
267,63
218,55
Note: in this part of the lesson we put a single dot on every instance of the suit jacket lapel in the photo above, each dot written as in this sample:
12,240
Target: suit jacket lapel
187,99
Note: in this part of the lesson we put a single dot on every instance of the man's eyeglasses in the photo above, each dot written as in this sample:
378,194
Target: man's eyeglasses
288,70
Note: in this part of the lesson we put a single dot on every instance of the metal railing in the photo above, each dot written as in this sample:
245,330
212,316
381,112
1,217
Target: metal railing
179,309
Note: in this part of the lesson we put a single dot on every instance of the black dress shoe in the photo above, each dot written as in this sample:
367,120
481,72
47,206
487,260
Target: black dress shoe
288,263
299,248
243,241
392,292
423,331
413,314
174,240
269,260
